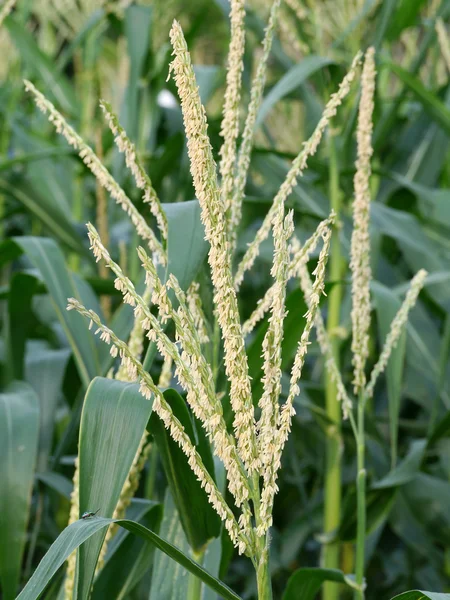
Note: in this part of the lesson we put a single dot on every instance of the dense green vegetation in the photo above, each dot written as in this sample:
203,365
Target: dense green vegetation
65,408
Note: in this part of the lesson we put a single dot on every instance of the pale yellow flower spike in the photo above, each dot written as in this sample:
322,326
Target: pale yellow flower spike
271,347
298,166
444,42
172,424
287,411
300,256
230,123
102,174
141,177
213,216
360,243
6,9
396,329
256,95
195,307
325,346
199,382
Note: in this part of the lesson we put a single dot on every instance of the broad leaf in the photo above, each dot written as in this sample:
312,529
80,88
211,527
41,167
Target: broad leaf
112,424
419,595
406,470
19,429
305,583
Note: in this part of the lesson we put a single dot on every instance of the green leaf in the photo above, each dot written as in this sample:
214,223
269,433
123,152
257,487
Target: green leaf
405,16
430,102
22,288
199,519
419,595
387,304
378,506
128,557
82,530
305,583
113,421
45,369
169,581
406,470
186,244
55,84
48,259
137,31
291,81
19,430
45,208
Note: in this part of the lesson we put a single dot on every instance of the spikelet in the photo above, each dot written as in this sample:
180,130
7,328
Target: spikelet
230,122
213,217
172,424
141,177
298,166
325,345
360,243
195,307
300,256
6,9
443,40
197,379
267,424
256,95
192,369
287,411
396,329
93,163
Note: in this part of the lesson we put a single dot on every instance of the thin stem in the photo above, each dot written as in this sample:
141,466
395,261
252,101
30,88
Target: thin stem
361,502
263,576
332,501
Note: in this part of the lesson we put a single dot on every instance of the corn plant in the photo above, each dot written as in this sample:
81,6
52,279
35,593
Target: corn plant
189,374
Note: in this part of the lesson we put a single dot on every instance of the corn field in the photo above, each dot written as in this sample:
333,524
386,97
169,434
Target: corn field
225,299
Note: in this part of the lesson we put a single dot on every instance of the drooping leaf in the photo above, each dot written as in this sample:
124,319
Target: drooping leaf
113,421
19,430
48,259
82,530
430,102
406,470
129,557
291,80
419,595
305,583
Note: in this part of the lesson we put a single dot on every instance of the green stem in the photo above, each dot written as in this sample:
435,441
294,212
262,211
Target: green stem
263,576
332,500
195,584
361,502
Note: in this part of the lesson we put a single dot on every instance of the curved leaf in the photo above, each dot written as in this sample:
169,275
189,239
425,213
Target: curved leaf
19,429
305,583
82,530
419,595
292,80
